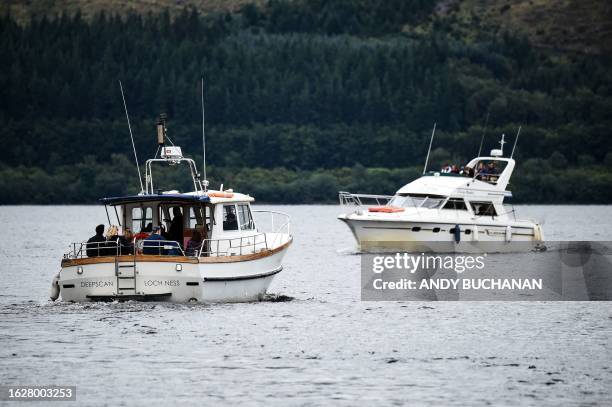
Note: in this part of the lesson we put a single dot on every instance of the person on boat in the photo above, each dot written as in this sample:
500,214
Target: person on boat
468,171
94,242
124,242
194,244
112,241
446,168
482,172
144,233
492,169
176,226
152,244
127,247
454,169
230,222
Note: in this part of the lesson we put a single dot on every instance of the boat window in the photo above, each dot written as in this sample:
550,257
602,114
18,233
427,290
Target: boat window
195,217
137,219
209,219
483,208
244,217
489,170
148,215
432,202
230,222
456,204
417,201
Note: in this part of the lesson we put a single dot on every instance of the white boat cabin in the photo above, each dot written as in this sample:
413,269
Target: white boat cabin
222,217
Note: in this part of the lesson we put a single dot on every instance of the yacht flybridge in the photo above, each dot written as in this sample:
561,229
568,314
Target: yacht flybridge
444,211
208,247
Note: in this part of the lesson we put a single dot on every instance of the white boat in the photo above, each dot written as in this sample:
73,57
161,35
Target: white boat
444,212
235,260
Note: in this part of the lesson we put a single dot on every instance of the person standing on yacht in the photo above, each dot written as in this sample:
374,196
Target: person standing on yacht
176,226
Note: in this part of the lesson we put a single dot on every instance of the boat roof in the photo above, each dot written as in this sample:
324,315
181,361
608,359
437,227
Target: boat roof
435,185
119,200
189,197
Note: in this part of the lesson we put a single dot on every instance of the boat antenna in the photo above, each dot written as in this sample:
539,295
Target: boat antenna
518,133
484,130
429,150
131,137
203,138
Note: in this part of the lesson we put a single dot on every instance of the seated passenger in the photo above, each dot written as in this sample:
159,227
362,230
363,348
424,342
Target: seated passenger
194,244
112,242
482,172
454,169
144,233
152,244
492,169
93,244
125,242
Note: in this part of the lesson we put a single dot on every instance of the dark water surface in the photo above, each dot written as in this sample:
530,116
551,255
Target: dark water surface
323,345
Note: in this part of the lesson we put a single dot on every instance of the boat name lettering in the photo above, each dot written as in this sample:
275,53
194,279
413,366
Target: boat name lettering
159,283
96,284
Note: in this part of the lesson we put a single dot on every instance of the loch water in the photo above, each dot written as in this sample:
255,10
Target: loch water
312,342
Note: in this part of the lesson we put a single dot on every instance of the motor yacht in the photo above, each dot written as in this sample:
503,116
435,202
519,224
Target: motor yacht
444,211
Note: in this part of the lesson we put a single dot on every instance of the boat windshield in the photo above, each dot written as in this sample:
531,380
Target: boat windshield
417,201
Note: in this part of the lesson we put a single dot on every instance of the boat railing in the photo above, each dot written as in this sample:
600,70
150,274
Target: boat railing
80,250
159,247
349,200
275,223
236,246
509,210
273,230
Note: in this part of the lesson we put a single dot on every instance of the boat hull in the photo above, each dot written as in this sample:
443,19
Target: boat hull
175,279
423,236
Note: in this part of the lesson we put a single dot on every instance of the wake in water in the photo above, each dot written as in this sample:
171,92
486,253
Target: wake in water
277,298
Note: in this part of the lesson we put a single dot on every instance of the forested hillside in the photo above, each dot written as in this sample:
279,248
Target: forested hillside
303,98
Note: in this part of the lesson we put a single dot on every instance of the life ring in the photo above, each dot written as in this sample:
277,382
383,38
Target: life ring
385,209
220,195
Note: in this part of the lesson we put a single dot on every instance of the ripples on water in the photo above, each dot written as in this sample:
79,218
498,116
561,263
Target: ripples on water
311,342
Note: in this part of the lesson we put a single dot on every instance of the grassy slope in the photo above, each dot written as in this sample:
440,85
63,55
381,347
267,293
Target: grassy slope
566,25
23,10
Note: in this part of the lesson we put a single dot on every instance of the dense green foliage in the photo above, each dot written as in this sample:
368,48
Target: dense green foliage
303,98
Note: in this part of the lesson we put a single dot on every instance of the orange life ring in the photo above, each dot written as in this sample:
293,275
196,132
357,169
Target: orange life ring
385,209
220,194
